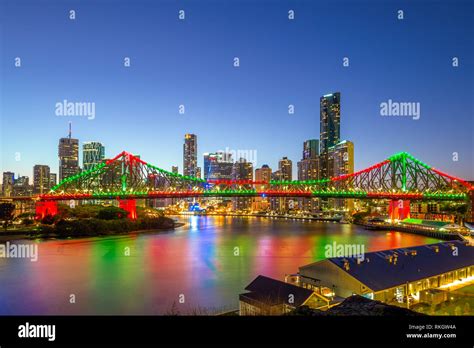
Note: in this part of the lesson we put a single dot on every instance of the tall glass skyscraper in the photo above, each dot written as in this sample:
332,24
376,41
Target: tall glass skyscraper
330,130
190,155
93,153
330,120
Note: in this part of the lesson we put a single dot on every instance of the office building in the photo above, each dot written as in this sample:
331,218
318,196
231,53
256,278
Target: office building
22,187
93,153
41,179
341,162
190,155
308,169
285,167
218,166
68,152
174,169
330,115
53,179
7,184
311,149
242,170
263,174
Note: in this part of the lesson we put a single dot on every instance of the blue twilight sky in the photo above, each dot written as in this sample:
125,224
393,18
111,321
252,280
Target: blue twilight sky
190,62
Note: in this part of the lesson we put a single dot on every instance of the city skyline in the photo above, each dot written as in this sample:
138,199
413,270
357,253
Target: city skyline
137,108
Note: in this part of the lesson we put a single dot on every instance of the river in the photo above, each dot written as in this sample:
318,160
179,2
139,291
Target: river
206,263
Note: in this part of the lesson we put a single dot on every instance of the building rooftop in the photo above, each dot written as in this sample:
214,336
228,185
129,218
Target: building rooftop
394,267
272,292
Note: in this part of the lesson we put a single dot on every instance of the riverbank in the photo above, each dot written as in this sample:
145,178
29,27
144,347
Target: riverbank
412,230
74,229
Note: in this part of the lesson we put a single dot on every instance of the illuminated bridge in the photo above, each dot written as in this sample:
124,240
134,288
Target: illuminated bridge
400,178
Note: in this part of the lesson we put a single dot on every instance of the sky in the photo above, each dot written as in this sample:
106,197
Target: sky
190,62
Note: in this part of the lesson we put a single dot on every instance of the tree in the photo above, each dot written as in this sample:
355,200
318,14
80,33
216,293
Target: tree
6,213
112,213
48,220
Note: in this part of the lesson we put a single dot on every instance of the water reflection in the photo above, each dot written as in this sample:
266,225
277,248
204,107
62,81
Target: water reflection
209,261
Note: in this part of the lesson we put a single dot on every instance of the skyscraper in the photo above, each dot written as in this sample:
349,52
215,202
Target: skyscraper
7,184
68,152
93,153
308,169
330,115
242,170
41,179
190,155
341,162
262,174
330,119
341,158
174,169
285,167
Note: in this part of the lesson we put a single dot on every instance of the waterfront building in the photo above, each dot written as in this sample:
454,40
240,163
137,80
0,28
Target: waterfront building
68,152
267,296
93,153
395,275
41,179
190,155
7,184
